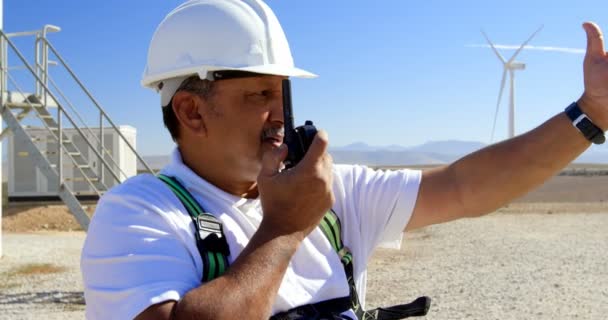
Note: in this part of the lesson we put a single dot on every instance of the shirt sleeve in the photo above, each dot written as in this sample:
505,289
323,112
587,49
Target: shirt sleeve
137,253
381,202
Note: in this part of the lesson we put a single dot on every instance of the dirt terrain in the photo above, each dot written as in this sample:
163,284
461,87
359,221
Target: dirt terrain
502,266
581,193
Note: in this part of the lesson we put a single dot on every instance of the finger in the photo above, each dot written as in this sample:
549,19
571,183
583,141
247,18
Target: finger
272,160
595,40
329,159
317,149
328,162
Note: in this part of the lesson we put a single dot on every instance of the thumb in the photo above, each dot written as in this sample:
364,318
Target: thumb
595,40
272,159
317,149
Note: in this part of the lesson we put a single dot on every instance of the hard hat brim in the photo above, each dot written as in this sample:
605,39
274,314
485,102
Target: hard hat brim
172,80
152,81
276,70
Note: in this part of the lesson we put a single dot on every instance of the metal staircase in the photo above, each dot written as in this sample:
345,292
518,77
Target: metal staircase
18,108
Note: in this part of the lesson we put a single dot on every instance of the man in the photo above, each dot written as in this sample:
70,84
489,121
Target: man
219,66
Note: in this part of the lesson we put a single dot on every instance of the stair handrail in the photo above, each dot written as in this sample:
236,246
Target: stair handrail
59,142
47,91
22,33
41,37
101,110
85,126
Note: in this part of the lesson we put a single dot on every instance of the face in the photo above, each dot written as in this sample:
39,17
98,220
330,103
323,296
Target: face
244,118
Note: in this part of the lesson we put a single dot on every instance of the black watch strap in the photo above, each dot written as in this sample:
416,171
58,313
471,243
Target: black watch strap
580,121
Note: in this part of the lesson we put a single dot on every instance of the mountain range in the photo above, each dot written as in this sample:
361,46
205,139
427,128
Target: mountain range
430,153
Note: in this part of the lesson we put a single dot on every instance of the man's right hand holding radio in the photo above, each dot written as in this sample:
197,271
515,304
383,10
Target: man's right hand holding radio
295,200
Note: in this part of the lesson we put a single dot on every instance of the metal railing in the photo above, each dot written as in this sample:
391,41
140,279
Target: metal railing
60,146
102,112
42,78
84,125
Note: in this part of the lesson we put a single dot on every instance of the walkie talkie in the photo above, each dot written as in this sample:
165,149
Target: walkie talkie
298,139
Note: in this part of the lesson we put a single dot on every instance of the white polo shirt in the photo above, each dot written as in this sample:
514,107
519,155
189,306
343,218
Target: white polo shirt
140,248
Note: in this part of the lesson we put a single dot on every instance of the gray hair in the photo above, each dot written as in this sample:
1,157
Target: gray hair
196,85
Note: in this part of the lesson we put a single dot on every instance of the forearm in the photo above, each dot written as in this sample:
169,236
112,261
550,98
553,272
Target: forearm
493,176
248,289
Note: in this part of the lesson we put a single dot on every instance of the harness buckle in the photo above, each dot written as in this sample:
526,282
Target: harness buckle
211,233
344,251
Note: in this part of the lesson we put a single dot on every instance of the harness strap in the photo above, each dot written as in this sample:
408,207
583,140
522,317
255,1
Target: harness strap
210,240
331,227
322,310
416,308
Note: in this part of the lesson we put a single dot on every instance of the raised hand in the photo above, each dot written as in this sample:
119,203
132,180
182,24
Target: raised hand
594,101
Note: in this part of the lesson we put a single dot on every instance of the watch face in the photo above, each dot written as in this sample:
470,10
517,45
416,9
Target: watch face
590,131
599,139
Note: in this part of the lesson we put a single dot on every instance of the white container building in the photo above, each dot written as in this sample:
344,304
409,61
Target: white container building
26,182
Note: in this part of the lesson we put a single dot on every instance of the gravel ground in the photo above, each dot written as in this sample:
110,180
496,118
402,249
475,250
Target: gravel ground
502,266
40,276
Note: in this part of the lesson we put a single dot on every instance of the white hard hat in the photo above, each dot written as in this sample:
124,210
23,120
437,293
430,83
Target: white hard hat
202,36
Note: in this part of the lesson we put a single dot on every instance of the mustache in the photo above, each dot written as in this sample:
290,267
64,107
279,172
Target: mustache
272,132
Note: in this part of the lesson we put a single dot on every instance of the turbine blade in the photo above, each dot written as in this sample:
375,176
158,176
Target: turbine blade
502,87
493,47
524,44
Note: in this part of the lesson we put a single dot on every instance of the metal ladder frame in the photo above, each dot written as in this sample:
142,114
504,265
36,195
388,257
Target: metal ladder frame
39,105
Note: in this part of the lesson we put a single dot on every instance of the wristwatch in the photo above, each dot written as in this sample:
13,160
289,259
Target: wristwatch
580,121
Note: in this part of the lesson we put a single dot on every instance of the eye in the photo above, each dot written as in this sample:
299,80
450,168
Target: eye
265,93
262,95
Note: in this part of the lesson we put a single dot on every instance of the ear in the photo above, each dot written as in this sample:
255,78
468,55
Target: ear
187,109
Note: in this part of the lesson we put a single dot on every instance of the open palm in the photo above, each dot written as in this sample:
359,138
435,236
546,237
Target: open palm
596,76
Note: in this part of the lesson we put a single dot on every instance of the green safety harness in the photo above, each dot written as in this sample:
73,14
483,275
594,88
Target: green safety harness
214,251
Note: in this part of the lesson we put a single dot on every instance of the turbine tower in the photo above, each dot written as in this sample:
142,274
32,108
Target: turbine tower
509,67
1,93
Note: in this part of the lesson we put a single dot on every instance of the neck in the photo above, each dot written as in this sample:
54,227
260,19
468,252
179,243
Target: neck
215,171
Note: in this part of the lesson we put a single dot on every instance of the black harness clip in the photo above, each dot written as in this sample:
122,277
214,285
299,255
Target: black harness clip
211,232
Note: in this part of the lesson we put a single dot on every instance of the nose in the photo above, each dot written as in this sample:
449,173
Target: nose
276,111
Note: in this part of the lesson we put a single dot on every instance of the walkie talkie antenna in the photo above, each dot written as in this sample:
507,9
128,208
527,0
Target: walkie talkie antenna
299,139
288,113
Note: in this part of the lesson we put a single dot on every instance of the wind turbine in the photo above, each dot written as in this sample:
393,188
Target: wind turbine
508,67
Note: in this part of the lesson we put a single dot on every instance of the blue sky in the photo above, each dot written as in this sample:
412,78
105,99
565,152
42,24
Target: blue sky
391,72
